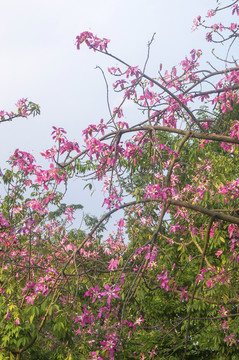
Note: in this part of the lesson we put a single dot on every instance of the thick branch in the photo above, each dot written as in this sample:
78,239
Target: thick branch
211,213
193,134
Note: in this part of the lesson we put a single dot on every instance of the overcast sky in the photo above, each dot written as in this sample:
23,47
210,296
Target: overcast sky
39,59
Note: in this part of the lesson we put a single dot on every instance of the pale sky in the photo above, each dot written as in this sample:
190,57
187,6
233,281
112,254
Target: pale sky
39,59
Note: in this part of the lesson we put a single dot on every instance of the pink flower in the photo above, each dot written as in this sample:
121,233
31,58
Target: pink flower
113,70
235,9
111,344
153,352
235,129
95,356
231,339
93,42
93,293
111,291
113,264
209,36
233,26
139,320
85,318
224,312
8,316
164,280
210,13
183,293
218,253
17,322
118,112
133,71
30,299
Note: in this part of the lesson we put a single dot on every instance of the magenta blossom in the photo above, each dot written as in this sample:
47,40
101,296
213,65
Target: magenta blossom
218,253
184,295
113,264
95,356
111,291
8,316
